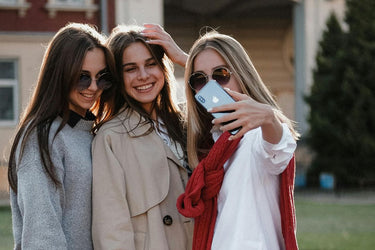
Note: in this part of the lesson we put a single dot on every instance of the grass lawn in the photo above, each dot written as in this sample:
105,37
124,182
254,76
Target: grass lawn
328,226
6,238
324,226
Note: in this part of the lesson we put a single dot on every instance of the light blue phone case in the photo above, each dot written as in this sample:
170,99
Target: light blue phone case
213,95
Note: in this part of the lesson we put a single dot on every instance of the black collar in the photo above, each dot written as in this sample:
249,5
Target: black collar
74,117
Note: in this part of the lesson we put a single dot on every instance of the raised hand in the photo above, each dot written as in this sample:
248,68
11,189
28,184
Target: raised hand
157,35
249,114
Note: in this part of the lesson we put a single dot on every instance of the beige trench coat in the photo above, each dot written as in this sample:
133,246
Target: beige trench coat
136,182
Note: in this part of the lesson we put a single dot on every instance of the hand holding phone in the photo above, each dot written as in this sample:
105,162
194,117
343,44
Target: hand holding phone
213,95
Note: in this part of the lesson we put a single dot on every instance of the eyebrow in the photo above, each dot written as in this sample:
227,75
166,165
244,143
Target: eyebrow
99,73
133,63
213,69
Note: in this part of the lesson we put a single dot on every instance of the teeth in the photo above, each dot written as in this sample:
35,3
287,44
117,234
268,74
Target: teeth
144,87
88,95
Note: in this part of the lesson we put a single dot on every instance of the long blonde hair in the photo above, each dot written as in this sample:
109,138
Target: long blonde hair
246,75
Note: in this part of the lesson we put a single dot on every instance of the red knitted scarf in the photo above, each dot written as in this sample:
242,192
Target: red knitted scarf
287,208
200,198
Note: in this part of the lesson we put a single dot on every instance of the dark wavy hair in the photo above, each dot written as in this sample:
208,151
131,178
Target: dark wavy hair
59,73
122,37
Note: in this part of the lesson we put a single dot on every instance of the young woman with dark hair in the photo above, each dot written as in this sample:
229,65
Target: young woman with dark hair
50,171
139,155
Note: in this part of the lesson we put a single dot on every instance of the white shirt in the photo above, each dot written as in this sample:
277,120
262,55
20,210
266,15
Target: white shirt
175,147
248,201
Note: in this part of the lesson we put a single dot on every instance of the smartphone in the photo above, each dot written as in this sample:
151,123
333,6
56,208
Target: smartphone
213,95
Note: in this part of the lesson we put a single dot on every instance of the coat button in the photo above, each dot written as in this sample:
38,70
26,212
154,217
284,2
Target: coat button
167,220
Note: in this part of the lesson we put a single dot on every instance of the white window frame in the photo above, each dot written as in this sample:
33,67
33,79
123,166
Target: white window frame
21,5
87,6
14,84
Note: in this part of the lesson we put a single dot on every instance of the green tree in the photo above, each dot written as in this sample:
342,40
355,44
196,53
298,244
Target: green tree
342,99
325,110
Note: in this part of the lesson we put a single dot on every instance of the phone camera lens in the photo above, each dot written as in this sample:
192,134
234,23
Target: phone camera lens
201,99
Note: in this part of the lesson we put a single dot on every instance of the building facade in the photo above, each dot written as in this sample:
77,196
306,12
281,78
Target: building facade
281,37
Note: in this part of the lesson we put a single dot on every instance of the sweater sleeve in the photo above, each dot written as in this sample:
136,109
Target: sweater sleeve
111,227
38,205
276,157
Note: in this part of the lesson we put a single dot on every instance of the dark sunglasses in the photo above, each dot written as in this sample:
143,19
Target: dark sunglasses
104,81
198,79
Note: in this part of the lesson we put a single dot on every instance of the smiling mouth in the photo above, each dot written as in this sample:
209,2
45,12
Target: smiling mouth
144,87
88,95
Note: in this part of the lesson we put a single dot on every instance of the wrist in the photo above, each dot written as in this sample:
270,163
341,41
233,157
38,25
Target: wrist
270,117
182,59
271,128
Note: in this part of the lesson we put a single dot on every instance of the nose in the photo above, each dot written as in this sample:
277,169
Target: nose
93,85
142,73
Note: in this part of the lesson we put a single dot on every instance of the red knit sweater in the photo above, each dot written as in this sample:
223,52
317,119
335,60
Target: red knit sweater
200,198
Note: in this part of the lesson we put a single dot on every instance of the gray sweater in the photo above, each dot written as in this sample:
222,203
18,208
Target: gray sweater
47,217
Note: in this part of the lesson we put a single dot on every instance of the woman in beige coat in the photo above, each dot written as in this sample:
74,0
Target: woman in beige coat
139,155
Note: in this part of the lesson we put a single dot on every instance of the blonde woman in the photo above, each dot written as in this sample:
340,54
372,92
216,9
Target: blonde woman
251,213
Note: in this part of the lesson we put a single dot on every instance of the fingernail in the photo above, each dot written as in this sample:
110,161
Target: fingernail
213,121
209,110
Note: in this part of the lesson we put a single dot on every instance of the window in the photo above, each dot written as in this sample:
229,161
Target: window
86,6
8,92
8,1
20,5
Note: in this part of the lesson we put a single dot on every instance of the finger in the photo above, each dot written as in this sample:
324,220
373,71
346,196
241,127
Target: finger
154,35
225,118
155,32
149,25
233,125
152,26
236,136
242,130
224,108
156,41
236,95
148,30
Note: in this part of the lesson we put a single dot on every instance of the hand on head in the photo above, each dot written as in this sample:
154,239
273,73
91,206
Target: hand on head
157,35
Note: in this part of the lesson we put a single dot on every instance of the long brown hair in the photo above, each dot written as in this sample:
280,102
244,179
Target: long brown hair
121,38
59,73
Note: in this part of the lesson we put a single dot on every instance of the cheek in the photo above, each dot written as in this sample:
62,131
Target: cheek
73,94
157,72
127,81
235,86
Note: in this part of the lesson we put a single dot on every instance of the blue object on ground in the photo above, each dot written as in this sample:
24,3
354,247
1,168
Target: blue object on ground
327,181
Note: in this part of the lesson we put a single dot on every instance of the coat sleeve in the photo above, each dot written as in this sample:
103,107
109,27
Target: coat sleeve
37,209
111,227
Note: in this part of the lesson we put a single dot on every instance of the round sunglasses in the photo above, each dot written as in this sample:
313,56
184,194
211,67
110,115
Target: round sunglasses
104,81
198,79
